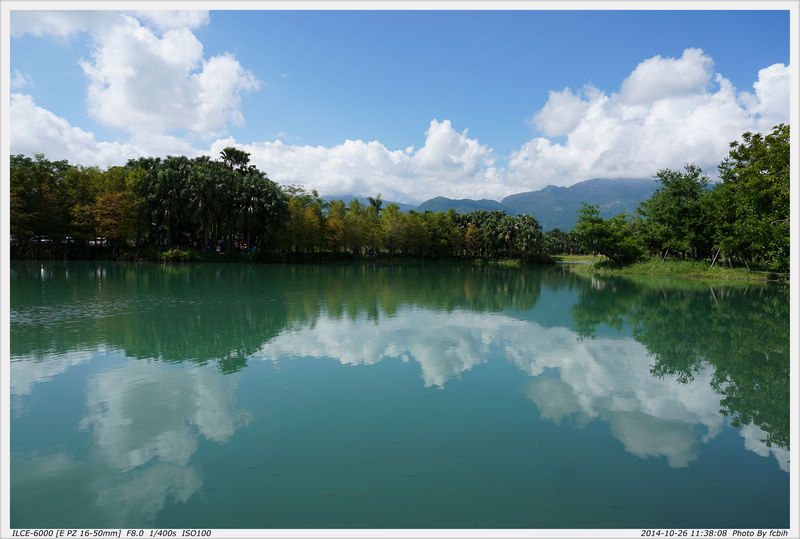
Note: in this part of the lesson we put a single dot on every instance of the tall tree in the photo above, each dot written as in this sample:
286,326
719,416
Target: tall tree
676,216
751,205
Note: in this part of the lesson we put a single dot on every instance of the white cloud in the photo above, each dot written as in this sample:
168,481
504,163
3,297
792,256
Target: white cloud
562,112
668,112
662,78
449,164
139,81
771,97
37,130
147,73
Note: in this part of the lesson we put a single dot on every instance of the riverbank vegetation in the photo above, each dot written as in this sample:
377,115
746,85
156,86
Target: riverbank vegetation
202,209
743,220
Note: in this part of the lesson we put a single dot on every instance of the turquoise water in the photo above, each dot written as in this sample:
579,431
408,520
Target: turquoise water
414,396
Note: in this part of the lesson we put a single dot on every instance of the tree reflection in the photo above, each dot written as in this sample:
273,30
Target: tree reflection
742,331
225,313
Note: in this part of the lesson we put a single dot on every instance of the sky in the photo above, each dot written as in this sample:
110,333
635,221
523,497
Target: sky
410,104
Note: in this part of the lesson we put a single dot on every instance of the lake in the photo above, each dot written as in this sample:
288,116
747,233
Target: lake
393,396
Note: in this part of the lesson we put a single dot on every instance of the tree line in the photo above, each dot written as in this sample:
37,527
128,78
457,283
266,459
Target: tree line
742,219
229,205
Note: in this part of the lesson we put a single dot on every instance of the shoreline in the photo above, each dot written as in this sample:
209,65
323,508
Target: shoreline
680,269
578,264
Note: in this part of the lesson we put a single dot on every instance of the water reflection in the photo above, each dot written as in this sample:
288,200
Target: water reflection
164,351
145,421
139,412
609,379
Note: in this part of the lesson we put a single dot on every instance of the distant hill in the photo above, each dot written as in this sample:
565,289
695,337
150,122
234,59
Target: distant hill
555,207
464,205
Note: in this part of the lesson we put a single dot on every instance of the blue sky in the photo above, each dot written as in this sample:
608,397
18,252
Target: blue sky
412,104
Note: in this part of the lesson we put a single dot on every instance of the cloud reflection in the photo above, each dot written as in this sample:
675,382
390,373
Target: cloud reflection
146,420
146,410
605,378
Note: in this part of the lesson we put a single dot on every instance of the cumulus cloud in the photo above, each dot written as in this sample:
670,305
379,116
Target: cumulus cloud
771,97
147,73
668,112
562,112
662,78
37,130
450,163
139,81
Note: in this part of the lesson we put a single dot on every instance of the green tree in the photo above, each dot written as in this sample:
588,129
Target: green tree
751,204
528,237
676,216
355,226
616,238
39,204
391,222
234,159
336,225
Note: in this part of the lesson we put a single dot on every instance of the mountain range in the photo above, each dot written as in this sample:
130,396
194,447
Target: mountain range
553,207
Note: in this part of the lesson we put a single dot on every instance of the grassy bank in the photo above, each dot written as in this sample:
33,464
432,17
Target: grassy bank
672,268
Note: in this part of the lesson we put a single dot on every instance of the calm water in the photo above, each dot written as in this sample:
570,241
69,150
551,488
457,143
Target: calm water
238,396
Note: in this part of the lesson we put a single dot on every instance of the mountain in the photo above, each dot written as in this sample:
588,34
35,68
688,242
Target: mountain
463,205
555,207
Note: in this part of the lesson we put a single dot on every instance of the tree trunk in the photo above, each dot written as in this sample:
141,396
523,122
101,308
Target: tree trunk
715,258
